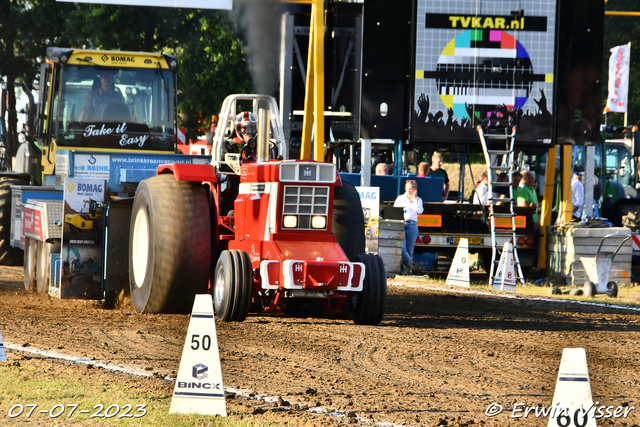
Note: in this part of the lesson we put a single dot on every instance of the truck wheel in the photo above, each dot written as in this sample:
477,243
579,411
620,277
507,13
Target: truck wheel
30,249
233,286
348,221
169,245
8,254
43,265
369,305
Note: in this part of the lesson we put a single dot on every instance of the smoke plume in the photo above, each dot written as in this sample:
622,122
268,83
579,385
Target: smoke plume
261,22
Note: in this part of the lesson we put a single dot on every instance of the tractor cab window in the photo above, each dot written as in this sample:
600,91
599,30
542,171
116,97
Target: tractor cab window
621,173
127,108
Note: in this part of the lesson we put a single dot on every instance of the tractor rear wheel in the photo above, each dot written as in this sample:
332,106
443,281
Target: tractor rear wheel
8,254
30,254
348,221
232,286
369,305
169,245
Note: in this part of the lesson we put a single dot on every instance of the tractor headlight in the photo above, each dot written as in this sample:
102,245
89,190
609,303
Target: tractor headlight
290,221
318,222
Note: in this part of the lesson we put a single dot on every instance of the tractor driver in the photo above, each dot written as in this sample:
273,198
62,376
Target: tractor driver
245,140
104,102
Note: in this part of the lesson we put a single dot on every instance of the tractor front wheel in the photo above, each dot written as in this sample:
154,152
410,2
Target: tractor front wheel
369,305
169,245
232,286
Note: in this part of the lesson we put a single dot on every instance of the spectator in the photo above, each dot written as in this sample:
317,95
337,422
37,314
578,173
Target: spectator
382,169
523,174
437,172
515,184
423,169
577,195
482,190
411,205
501,192
527,197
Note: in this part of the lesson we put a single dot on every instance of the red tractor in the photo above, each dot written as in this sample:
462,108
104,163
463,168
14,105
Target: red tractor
252,229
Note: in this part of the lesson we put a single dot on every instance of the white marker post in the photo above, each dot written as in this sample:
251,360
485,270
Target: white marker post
199,388
3,354
459,270
506,276
572,400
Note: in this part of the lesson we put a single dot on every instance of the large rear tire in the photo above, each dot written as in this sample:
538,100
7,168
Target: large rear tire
369,305
8,254
348,221
169,245
232,286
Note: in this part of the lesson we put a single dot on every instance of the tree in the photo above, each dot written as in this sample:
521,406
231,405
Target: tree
26,29
619,30
211,56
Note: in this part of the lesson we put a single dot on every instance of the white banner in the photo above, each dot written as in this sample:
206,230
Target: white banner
194,4
618,79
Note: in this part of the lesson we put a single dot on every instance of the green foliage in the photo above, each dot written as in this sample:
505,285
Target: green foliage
211,66
619,30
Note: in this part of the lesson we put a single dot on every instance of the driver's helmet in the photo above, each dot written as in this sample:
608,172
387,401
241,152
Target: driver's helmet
246,124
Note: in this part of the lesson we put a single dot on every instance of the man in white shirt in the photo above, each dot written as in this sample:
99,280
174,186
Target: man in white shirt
577,195
411,205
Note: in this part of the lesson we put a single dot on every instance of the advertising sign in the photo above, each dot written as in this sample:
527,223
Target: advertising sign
618,79
91,166
81,255
370,201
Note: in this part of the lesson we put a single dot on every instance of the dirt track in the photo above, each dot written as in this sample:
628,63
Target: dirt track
439,357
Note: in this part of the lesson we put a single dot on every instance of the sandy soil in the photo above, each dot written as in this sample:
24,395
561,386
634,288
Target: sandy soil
440,357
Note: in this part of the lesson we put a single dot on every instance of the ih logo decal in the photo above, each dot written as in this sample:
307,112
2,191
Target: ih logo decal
297,267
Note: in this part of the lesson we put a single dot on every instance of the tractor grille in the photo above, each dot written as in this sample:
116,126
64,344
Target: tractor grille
306,202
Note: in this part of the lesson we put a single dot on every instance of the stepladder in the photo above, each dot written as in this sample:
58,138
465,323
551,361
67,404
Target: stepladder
498,147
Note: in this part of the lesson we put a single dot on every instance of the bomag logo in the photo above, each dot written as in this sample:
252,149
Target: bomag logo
95,188
116,58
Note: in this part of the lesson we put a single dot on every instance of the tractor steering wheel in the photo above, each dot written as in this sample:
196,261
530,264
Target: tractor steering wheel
247,150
